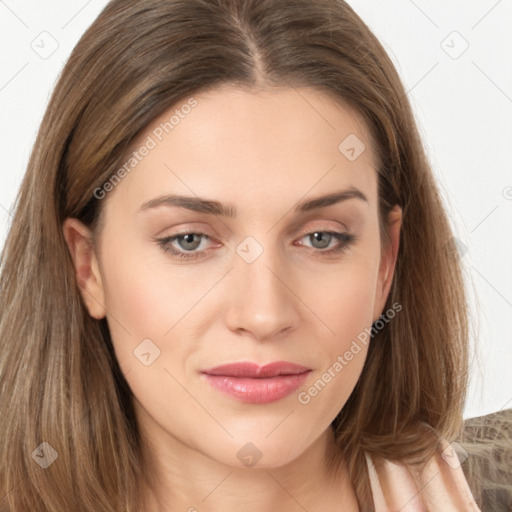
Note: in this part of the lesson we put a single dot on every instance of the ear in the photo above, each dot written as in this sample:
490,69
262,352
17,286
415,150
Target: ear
79,241
388,260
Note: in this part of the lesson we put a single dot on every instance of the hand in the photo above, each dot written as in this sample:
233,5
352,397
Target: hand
440,486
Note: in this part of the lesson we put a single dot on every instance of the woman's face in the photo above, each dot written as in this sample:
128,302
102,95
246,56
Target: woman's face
260,287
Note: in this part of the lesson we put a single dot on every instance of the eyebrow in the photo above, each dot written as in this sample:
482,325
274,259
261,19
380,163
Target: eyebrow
198,204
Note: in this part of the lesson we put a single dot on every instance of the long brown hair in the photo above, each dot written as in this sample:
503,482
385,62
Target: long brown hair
59,380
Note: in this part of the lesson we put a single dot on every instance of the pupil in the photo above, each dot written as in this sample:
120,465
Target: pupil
189,239
323,238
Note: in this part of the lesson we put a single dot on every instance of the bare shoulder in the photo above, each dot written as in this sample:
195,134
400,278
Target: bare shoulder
487,464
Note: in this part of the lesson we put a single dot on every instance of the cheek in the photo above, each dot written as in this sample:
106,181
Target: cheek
343,301
343,347
141,303
148,298
143,291
343,298
150,342
133,295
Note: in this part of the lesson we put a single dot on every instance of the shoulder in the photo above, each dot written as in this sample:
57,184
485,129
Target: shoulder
486,459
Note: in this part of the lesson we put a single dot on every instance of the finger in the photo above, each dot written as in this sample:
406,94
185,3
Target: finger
443,484
395,488
379,501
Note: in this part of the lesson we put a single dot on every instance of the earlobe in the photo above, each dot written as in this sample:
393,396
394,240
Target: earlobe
388,259
88,276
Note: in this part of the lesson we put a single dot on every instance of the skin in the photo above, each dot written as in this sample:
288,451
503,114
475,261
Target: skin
264,152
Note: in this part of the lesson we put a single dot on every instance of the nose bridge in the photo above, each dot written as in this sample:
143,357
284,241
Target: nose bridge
261,303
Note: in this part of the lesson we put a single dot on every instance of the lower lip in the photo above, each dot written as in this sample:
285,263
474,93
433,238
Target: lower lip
257,391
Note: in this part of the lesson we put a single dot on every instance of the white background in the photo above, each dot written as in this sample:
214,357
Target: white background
463,105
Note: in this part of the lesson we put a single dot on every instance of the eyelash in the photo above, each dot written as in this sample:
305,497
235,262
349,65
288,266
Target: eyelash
346,239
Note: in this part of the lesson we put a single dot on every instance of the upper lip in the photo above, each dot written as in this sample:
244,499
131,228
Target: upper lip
255,371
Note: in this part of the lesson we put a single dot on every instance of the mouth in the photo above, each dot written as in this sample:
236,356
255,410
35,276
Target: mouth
248,382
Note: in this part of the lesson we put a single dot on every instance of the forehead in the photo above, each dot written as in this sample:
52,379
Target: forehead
266,115
231,143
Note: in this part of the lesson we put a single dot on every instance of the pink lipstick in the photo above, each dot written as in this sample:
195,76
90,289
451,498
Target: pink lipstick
251,383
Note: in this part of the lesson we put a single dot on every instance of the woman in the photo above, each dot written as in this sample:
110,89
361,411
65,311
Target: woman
242,284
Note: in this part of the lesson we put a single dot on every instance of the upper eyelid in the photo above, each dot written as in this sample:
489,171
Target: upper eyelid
301,234
343,228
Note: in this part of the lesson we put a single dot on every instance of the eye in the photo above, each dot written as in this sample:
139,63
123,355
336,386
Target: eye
187,244
322,239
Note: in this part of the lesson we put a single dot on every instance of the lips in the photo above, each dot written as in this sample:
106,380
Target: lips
254,371
248,382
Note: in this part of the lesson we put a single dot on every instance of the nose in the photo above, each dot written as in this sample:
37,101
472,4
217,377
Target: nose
262,303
